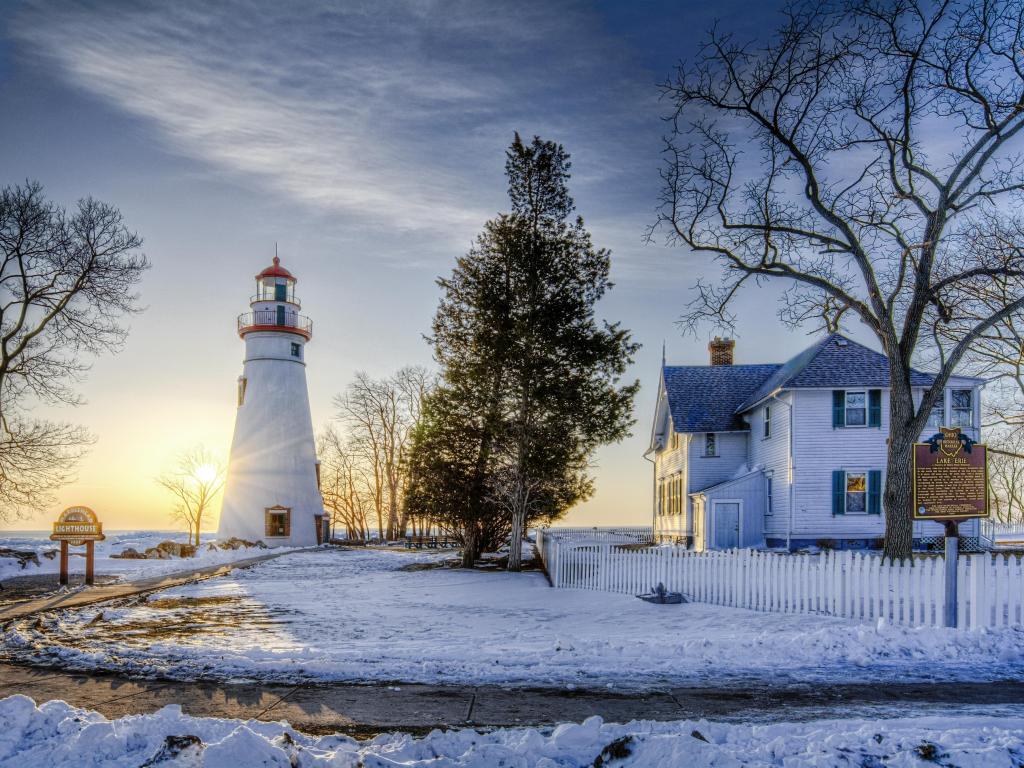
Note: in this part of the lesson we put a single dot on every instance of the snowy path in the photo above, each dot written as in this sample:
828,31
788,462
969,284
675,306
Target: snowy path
331,615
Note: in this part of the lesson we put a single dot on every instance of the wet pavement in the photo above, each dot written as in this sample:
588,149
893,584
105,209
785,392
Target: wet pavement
365,710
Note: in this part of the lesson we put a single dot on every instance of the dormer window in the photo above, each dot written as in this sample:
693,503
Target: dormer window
961,408
937,416
856,409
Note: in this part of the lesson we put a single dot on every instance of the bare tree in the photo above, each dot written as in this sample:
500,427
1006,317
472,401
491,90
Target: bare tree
66,282
1006,477
344,485
379,415
854,158
194,482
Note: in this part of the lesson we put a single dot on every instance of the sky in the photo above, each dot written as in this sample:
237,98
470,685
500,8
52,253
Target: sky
365,139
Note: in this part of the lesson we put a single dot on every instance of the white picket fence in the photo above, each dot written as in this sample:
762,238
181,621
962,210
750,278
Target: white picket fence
848,584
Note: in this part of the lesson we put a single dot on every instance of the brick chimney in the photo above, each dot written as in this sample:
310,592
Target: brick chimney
721,351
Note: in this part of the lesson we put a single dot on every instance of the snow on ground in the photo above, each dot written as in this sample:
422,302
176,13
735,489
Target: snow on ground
352,615
115,543
56,734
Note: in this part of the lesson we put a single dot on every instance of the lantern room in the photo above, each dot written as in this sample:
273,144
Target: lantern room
274,307
275,283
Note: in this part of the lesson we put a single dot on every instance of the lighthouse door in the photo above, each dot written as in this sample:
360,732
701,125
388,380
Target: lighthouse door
280,315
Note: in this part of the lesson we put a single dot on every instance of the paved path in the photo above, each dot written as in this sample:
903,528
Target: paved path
364,710
99,594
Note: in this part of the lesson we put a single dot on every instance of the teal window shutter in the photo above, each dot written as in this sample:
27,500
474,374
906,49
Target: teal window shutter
874,492
838,408
874,408
839,492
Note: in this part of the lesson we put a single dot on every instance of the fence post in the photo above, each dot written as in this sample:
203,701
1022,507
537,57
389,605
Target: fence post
979,605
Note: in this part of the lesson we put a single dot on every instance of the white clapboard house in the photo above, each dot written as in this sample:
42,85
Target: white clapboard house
785,455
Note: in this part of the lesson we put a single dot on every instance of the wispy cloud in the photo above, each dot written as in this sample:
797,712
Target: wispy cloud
382,111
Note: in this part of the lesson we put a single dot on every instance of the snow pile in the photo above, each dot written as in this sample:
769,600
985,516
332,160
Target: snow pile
364,619
56,734
115,543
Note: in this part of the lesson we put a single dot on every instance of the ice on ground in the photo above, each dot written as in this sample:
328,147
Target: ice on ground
56,734
347,615
115,543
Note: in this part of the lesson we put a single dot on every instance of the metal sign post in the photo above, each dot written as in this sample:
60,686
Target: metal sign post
951,553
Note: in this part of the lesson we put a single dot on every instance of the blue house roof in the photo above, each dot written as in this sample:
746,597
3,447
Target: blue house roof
705,398
834,361
710,398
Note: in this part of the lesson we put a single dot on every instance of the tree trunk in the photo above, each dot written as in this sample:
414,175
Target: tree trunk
470,544
515,544
899,480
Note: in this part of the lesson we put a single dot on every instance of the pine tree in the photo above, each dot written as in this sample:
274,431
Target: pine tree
530,379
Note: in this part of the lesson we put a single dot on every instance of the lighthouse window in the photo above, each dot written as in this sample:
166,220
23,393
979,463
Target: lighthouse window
241,389
297,351
281,292
278,521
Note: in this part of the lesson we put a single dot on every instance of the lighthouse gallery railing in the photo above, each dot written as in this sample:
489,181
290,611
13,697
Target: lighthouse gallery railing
268,317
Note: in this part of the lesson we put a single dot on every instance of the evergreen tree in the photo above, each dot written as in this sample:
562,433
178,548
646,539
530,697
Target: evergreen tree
530,379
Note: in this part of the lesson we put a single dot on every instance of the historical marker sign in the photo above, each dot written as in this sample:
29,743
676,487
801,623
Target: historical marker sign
950,477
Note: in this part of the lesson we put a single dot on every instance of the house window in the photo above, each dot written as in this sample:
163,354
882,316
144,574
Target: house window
242,381
767,421
278,521
711,444
856,409
937,417
769,504
297,350
961,408
856,492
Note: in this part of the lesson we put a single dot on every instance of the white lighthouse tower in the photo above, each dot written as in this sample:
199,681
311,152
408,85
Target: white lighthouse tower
272,492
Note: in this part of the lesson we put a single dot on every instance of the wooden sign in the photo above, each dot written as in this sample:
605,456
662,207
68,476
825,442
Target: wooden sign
950,477
77,526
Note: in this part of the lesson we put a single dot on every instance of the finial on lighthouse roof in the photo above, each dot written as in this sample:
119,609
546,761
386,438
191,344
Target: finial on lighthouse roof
275,270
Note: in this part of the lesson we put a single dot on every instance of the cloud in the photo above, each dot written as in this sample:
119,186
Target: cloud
383,111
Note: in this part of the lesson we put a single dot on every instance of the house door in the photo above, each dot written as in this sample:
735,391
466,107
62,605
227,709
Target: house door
727,524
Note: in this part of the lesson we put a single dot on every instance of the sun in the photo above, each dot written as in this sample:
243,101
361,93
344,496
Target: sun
206,473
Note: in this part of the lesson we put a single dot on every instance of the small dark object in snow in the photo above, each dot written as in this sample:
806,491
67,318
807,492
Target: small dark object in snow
878,738
617,750
928,751
698,735
662,596
172,748
96,619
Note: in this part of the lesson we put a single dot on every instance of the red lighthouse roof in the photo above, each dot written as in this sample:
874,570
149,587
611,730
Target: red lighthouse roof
276,270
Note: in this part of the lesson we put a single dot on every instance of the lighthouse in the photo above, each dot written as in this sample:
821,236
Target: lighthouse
272,491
